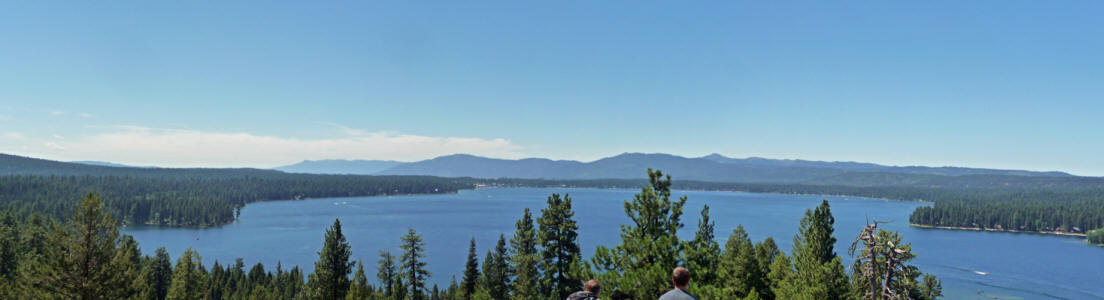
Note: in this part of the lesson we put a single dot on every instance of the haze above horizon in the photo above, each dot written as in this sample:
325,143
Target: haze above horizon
985,84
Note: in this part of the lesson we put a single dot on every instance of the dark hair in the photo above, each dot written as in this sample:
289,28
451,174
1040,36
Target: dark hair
680,276
592,286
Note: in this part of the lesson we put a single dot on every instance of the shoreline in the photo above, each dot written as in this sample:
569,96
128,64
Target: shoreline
1067,234
714,190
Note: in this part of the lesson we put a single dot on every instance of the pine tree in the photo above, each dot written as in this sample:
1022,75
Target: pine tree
818,271
496,271
560,253
930,288
158,275
453,289
738,266
9,256
235,286
359,288
294,281
413,264
484,279
702,254
257,276
524,258
765,254
781,270
650,248
216,286
188,282
128,262
78,258
9,242
881,269
331,272
471,273
387,273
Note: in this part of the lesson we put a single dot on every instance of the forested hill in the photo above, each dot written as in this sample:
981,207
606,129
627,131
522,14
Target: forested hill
183,197
196,201
19,165
713,167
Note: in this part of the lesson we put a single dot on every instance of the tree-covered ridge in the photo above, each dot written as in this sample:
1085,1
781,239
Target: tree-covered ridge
19,165
87,258
1073,211
198,201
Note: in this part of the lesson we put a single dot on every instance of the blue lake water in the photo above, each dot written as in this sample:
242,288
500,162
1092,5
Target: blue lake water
1018,266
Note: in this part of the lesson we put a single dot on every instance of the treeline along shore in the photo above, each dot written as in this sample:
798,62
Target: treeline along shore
84,256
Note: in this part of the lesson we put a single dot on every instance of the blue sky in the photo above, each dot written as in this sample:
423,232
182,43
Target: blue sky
1000,84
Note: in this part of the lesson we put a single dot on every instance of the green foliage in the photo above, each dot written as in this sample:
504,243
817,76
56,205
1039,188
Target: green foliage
764,256
703,254
9,258
781,272
1042,210
197,197
188,281
387,273
331,272
560,256
79,261
471,273
739,269
524,259
1096,236
128,262
818,271
640,266
158,275
413,265
882,270
359,288
930,288
497,270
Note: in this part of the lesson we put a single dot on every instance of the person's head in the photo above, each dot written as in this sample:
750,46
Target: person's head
680,277
593,287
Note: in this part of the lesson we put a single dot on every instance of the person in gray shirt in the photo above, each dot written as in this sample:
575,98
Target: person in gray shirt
591,291
681,278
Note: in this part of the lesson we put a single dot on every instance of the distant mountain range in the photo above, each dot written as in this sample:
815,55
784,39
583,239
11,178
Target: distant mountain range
340,166
629,166
713,167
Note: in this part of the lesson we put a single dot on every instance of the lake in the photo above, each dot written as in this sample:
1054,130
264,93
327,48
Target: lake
1018,266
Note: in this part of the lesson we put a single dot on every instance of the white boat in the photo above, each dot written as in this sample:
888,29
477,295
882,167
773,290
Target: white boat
981,273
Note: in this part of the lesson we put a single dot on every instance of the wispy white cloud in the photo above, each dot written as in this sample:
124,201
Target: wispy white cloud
192,148
58,113
347,130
